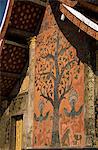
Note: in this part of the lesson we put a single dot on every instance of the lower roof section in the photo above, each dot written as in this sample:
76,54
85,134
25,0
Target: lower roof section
80,21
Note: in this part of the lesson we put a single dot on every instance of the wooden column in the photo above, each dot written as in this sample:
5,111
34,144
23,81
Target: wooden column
29,115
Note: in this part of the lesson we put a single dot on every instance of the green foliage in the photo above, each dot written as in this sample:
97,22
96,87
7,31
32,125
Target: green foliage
76,76
68,67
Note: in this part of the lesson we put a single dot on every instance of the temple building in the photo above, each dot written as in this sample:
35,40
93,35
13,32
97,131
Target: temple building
48,74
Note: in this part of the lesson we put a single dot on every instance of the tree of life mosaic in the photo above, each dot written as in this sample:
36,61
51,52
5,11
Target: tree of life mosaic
58,100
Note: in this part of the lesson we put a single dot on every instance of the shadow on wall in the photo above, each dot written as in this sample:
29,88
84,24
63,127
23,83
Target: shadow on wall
14,92
84,44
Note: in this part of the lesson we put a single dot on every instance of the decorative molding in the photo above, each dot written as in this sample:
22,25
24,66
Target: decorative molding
89,107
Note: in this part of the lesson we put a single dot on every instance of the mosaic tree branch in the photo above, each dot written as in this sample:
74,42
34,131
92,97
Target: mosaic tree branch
56,59
49,74
65,91
48,56
48,98
64,68
63,50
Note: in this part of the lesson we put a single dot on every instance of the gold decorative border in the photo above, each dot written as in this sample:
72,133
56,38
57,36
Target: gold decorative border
89,107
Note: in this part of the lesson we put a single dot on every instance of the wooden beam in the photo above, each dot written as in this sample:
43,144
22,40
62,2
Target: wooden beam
39,2
20,33
11,75
91,1
16,44
87,5
3,98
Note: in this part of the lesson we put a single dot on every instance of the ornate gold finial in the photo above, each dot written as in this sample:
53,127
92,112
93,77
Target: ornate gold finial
32,42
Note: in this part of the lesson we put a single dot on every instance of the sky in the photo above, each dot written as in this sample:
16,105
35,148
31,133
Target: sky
3,4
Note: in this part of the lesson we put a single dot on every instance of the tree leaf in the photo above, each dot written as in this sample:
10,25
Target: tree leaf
76,77
68,67
62,51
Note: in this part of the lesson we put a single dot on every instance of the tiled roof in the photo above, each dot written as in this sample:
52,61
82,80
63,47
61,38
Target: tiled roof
25,21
